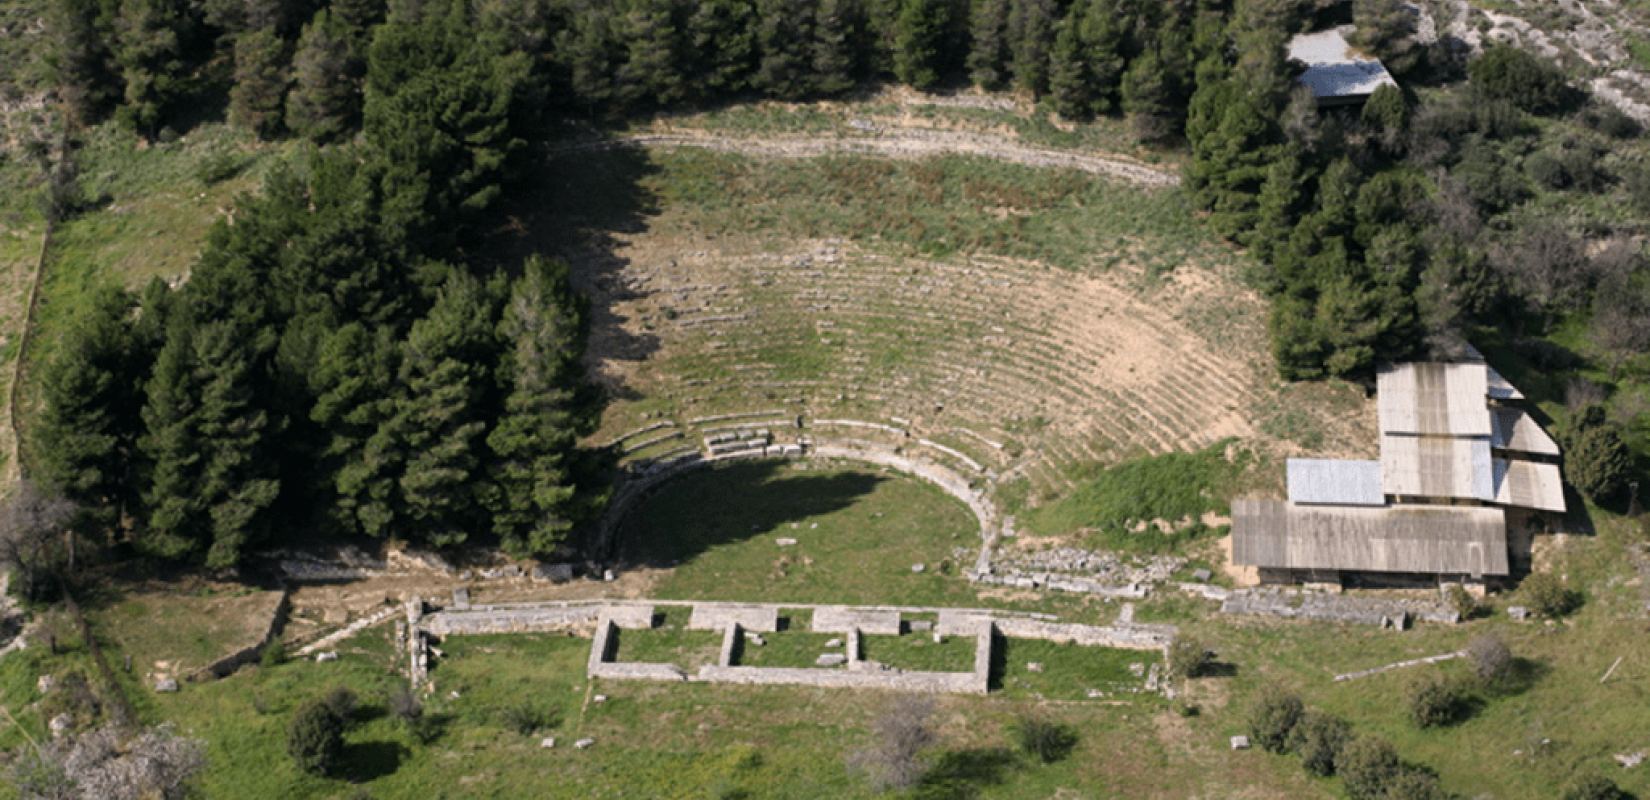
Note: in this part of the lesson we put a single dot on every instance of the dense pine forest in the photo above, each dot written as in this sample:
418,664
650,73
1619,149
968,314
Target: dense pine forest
339,360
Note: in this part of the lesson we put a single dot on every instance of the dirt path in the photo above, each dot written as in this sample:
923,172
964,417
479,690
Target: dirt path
892,143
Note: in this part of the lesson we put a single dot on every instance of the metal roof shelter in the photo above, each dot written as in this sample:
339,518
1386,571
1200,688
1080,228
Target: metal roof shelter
1516,430
1335,482
1335,72
1433,399
1404,539
1528,484
1431,466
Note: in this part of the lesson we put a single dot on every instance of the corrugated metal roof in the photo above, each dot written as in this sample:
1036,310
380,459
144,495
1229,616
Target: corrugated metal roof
1413,539
1527,484
1516,430
1433,399
1333,69
1498,386
1323,480
1436,467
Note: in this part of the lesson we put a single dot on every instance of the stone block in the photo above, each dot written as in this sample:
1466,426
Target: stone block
833,642
918,567
1034,666
920,626
1240,742
756,639
1201,575
583,743
61,724
166,685
461,599
831,660
45,683
785,541
547,742
554,573
330,655
1518,612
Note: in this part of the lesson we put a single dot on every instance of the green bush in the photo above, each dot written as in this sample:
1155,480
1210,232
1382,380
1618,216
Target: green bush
1522,78
1366,765
1435,700
1492,660
1318,739
1045,741
1273,718
1592,786
1546,595
1188,657
1462,601
342,701
314,737
527,718
273,654
1596,460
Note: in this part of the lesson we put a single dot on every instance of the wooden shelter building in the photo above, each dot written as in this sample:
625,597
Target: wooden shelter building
1453,458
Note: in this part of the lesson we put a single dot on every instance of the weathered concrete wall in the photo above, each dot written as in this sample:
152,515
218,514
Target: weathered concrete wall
1119,636
1293,604
731,637
449,623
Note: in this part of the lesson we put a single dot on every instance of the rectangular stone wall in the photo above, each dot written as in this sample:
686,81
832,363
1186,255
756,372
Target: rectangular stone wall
717,616
511,621
841,619
1127,638
730,642
949,682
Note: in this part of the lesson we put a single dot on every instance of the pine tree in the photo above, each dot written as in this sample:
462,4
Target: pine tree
260,82
784,39
920,34
720,43
78,58
1148,99
356,393
82,442
1030,30
209,482
533,443
324,104
836,48
652,71
989,54
151,39
1071,87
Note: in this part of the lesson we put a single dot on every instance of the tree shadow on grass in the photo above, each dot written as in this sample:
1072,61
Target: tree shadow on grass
1522,675
710,508
365,761
959,774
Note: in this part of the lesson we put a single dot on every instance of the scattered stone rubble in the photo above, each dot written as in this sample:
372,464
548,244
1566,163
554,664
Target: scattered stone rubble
1073,570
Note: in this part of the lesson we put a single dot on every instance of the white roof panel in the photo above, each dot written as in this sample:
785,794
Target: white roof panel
1516,430
1437,467
1335,482
1334,69
1527,484
1434,399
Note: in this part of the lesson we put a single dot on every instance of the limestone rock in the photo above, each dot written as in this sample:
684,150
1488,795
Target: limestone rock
61,724
756,639
547,742
1033,666
1201,575
600,698
918,567
583,743
46,683
1518,612
1240,742
166,685
831,660
326,657
785,541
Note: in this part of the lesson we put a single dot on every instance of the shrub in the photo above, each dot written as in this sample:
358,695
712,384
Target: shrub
1318,738
1592,786
527,718
1434,700
1273,718
895,758
1546,595
273,654
1490,657
1366,765
1462,601
1596,460
1522,78
1188,657
314,737
404,704
342,701
1045,741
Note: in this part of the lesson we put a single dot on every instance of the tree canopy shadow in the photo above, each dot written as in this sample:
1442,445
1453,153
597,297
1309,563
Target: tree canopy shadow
959,774
573,204
365,761
708,508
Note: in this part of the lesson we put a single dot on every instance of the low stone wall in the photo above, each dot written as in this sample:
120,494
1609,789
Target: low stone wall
246,655
1293,604
842,619
948,682
1124,637
715,617
460,623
